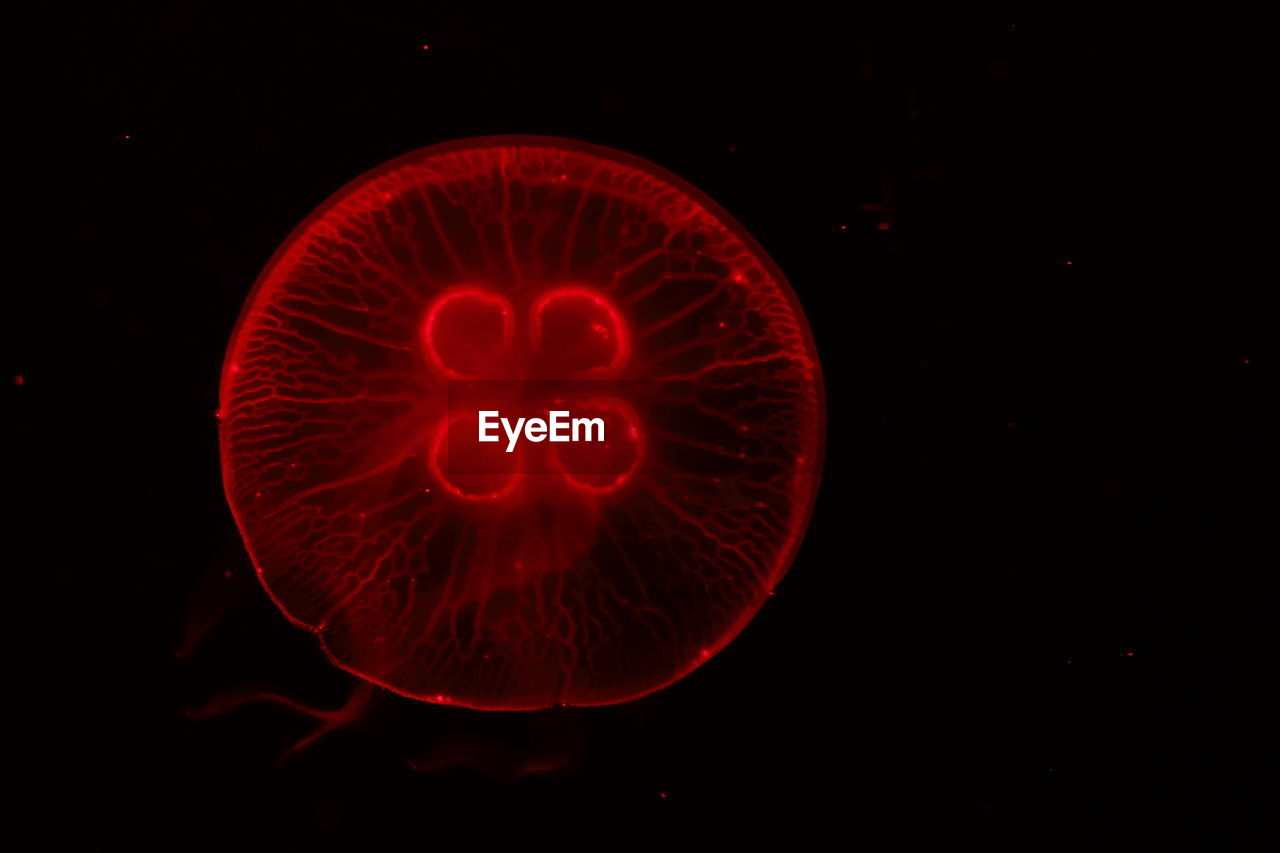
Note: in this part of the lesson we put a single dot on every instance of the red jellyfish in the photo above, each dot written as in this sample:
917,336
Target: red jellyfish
521,275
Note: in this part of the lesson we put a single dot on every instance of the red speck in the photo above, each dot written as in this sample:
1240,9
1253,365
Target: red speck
883,226
662,795
18,380
426,47
1068,263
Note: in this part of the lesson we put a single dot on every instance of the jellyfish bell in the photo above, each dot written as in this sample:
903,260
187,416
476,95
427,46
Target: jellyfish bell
521,275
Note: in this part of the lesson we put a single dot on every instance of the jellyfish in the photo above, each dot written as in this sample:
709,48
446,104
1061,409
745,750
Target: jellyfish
488,273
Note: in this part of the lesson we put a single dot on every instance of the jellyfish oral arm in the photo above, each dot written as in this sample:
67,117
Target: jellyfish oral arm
560,426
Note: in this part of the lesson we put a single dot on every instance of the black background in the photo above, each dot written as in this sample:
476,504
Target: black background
1031,607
